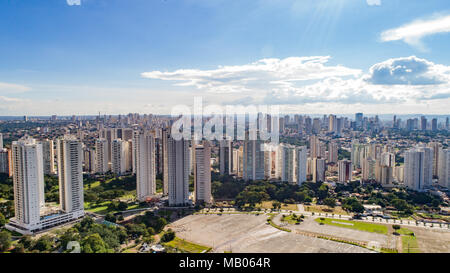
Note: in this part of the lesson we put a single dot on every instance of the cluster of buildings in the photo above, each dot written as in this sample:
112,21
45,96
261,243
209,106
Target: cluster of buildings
325,149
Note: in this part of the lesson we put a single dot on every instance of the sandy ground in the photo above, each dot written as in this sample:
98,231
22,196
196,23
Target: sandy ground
432,240
250,233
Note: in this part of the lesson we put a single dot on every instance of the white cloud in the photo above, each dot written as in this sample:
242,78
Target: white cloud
265,73
413,32
373,2
12,88
73,2
310,81
409,71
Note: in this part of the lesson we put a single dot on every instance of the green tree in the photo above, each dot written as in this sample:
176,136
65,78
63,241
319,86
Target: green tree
5,241
168,236
330,202
43,244
2,220
94,244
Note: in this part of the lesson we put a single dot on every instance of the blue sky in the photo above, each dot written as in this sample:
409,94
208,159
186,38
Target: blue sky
121,56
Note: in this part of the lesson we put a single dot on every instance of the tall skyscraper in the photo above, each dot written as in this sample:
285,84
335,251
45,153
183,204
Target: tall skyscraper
333,148
225,157
28,179
178,171
302,162
314,146
101,156
70,174
318,168
359,120
48,152
108,134
287,163
253,160
1,141
144,146
345,170
436,146
444,168
418,168
165,134
120,160
202,173
5,161
423,123
434,125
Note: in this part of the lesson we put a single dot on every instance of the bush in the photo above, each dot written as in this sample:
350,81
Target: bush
396,227
168,236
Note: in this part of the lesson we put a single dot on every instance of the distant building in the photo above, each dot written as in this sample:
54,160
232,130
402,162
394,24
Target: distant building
5,162
302,162
318,168
345,171
333,148
120,159
48,153
101,156
225,157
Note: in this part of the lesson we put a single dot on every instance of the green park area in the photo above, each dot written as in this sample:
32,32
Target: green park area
409,241
354,225
185,246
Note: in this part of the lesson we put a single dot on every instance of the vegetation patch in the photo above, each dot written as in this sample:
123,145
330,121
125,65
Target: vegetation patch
185,246
354,225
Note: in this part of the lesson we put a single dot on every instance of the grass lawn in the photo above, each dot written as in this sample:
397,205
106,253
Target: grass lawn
355,225
268,205
101,209
325,209
409,242
186,246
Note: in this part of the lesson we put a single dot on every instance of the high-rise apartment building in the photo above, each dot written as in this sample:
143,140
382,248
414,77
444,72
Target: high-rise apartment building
28,179
444,168
120,159
345,170
101,156
48,153
302,162
178,171
287,163
144,147
202,173
253,160
314,146
225,157
418,168
333,149
70,175
318,169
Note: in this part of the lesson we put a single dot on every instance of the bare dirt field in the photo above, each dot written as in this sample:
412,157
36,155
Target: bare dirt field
387,241
432,241
250,233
